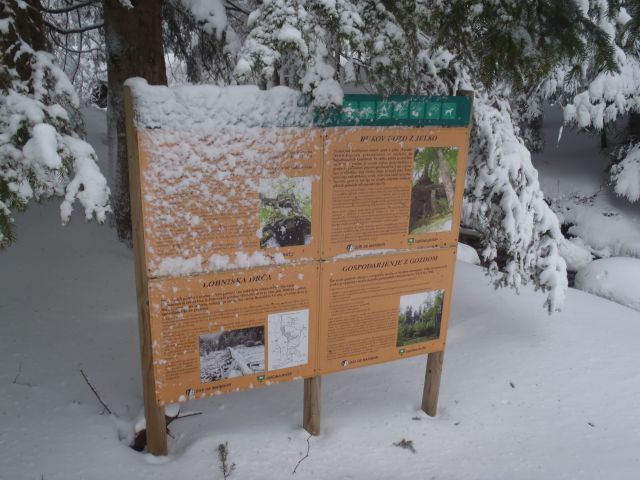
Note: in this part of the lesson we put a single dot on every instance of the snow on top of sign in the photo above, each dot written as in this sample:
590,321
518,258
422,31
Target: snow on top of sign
211,107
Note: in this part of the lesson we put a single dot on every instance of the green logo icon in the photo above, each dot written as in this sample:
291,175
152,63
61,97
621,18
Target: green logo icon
402,351
410,241
433,111
261,378
449,111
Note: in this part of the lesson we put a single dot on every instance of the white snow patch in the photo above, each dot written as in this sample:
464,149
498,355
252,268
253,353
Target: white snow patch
616,278
42,147
467,254
575,254
178,266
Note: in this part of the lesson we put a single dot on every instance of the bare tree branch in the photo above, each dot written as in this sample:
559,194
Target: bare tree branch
73,30
95,393
235,7
70,8
54,39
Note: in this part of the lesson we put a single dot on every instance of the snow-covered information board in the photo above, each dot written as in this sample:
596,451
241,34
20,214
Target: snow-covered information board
278,244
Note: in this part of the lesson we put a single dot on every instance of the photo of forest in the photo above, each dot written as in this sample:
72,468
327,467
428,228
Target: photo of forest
433,188
231,353
285,211
420,317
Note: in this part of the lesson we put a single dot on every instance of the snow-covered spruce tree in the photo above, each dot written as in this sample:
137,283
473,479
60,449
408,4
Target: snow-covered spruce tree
298,43
40,154
503,200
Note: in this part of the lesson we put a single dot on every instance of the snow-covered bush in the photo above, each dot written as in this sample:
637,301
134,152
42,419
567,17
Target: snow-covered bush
40,154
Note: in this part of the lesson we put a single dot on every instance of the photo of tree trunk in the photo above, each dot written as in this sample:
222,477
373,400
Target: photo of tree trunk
433,188
285,212
232,353
420,316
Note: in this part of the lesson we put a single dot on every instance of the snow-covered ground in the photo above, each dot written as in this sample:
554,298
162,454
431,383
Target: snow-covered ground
524,395
68,304
573,176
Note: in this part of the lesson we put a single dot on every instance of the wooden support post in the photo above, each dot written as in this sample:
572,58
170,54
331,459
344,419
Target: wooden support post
311,419
155,419
432,383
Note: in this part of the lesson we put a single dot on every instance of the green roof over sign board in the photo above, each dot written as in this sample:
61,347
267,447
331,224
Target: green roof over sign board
401,110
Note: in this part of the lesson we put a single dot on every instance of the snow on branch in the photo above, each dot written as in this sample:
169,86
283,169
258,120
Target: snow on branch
521,234
69,31
293,43
625,175
211,14
40,154
67,9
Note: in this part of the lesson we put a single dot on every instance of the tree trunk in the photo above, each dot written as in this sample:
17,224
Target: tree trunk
446,177
603,138
134,49
634,124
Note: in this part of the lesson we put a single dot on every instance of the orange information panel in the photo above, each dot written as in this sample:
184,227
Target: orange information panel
233,198
385,307
392,188
233,330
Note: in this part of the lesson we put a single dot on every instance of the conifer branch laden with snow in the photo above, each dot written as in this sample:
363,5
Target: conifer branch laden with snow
40,154
505,203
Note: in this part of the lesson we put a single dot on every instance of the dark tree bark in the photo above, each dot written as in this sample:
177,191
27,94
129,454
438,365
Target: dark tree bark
134,49
633,127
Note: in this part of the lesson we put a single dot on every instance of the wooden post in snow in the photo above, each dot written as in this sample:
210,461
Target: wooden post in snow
432,383
311,416
432,377
154,414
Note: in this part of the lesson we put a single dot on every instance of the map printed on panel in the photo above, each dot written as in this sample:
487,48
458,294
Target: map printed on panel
288,339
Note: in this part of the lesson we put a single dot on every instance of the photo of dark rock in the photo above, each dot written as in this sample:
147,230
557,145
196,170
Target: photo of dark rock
285,212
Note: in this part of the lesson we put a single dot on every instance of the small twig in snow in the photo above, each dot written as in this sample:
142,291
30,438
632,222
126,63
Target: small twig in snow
15,380
223,456
303,458
407,444
190,414
104,405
